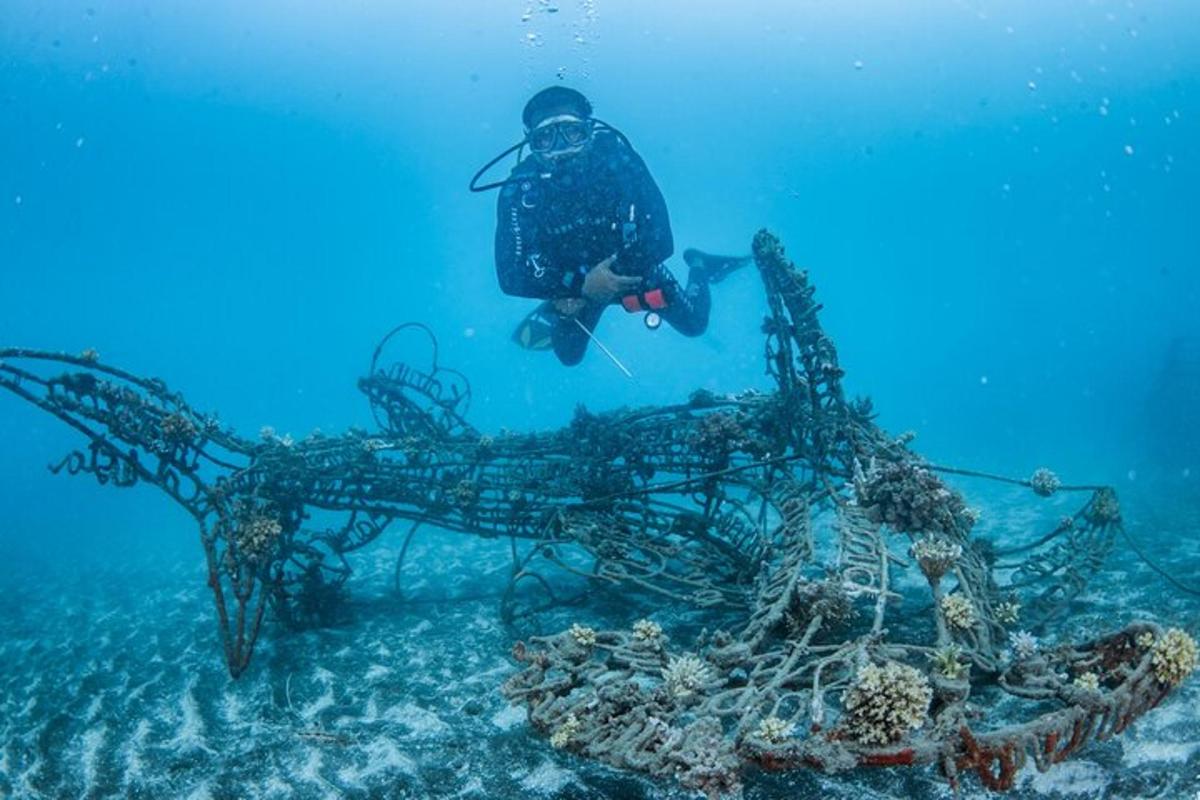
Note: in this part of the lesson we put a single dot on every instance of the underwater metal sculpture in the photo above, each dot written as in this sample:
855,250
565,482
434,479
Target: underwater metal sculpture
788,517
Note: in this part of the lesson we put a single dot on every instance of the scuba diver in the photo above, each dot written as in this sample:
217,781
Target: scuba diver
582,225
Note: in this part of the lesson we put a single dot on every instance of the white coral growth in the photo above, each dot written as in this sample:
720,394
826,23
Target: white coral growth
1024,645
565,732
684,675
646,631
583,635
1009,612
1174,657
936,556
1044,482
958,611
885,702
1088,681
774,730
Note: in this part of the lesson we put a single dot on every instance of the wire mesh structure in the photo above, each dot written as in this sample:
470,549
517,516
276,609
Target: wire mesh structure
788,516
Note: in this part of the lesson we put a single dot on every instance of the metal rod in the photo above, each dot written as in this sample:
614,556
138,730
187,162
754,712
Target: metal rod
604,349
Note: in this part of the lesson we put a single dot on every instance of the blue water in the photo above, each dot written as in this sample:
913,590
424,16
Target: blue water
997,202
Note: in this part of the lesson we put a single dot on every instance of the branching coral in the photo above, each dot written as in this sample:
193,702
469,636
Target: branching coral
910,498
466,492
718,435
256,533
1044,482
563,734
828,599
177,429
684,675
947,661
936,555
1008,612
373,444
645,630
774,730
959,611
583,635
1024,644
1174,657
885,702
1105,507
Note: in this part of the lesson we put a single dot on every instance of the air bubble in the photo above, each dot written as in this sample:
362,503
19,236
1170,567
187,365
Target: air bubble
858,64
1128,149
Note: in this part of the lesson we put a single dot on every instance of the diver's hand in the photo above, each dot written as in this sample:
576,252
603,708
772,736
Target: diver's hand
601,285
569,306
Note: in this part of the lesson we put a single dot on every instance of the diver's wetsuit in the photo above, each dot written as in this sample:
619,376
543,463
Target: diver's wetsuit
551,230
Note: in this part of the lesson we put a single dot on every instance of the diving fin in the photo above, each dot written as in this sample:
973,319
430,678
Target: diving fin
534,332
709,268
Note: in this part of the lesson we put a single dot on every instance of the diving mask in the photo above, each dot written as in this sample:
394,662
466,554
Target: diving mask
565,133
